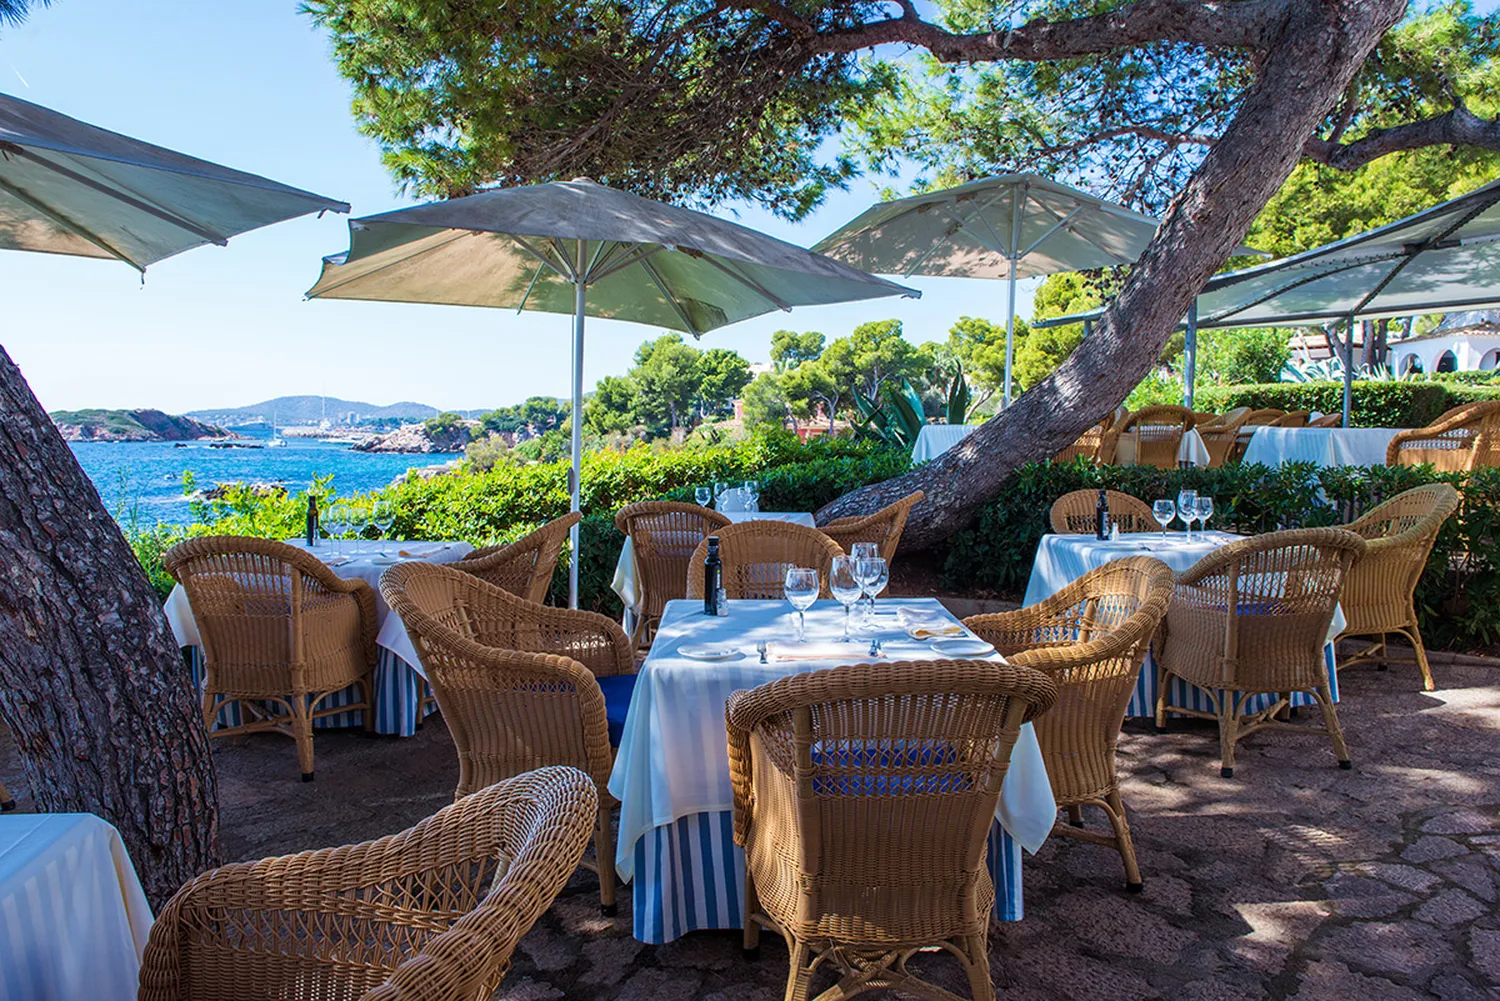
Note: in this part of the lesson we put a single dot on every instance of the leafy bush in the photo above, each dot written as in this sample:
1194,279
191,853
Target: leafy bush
1375,404
1456,596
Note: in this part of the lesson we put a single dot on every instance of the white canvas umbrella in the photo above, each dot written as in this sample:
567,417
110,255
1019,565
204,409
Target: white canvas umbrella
67,187
1010,226
582,248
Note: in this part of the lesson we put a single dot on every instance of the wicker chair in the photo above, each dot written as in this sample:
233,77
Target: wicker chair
1073,512
521,685
884,527
1090,638
1158,432
1088,444
523,567
1267,416
1222,439
281,633
1253,617
1379,593
757,554
1327,421
430,914
1464,438
664,535
863,796
1292,419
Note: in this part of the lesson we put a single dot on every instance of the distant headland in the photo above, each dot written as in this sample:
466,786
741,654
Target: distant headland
133,426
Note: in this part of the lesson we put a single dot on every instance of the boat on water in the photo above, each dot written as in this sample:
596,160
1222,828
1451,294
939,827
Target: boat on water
276,440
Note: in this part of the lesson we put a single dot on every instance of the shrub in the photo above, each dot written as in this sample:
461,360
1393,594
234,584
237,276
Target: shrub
1374,404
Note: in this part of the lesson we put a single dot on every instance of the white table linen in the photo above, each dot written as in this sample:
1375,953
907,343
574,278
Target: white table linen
1272,446
1191,449
673,759
73,918
361,559
626,574
935,439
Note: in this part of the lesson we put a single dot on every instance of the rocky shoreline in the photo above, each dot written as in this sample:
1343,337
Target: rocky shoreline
134,426
416,439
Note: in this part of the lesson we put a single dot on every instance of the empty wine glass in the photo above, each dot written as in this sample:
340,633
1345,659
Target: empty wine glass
383,516
703,495
1163,511
721,489
1205,510
801,590
844,583
359,517
338,524
864,551
873,574
1187,509
752,495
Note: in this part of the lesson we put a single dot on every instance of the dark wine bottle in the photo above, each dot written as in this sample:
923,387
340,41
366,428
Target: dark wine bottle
1101,516
312,521
712,576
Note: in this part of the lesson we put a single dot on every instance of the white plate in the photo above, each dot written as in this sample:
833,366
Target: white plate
709,652
385,561
963,648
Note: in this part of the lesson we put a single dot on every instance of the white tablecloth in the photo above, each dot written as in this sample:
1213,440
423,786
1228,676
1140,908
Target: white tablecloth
73,919
626,574
673,759
935,439
1270,446
361,559
1191,449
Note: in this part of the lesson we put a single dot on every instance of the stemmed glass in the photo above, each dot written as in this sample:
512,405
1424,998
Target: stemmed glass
873,575
1205,510
752,495
1187,510
703,495
359,517
844,582
801,590
1163,511
383,516
338,524
721,488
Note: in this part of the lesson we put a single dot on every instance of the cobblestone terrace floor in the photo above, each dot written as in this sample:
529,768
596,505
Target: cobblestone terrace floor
1292,880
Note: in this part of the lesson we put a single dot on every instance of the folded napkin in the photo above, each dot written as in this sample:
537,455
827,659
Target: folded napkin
856,652
921,625
417,554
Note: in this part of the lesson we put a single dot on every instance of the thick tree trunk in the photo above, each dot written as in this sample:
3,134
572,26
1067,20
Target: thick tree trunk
1308,62
91,680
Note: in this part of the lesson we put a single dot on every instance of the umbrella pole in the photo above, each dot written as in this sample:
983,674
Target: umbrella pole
1190,356
1348,369
575,473
1010,313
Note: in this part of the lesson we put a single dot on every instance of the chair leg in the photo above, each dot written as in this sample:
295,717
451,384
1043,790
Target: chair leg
1075,816
604,859
977,966
751,941
367,688
1124,842
302,730
1331,721
208,710
1163,679
1415,635
799,978
1228,734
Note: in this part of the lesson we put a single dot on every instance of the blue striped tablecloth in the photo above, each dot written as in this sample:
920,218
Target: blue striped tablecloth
73,919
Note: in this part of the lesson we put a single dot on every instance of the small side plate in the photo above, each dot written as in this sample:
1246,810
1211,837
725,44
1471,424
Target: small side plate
963,648
714,653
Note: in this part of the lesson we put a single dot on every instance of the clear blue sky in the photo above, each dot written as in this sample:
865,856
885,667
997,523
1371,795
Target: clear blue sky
250,84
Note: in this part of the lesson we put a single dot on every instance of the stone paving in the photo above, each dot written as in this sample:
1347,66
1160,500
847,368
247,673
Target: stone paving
1292,880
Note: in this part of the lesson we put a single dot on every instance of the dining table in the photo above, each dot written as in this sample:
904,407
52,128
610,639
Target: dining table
401,693
935,439
671,771
1274,446
1062,559
73,918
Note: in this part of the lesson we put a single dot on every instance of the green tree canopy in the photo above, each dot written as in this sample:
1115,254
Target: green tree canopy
612,407
790,349
765,402
872,353
722,373
667,378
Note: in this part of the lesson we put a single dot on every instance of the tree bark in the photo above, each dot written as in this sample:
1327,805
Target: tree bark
91,681
1309,57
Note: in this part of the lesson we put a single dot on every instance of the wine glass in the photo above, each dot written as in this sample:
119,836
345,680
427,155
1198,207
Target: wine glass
383,516
1205,510
1163,511
703,495
1187,510
338,524
801,590
873,576
846,587
864,551
359,517
751,490
721,489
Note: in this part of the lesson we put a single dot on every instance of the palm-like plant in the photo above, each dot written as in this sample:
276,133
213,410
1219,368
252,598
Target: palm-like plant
896,417
15,11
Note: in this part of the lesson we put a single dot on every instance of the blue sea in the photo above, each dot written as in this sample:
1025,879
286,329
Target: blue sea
149,474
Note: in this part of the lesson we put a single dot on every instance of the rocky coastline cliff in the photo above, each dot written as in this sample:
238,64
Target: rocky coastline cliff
133,426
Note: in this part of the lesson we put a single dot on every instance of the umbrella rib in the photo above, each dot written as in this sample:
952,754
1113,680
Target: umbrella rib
641,253
562,255
1088,239
69,224
529,286
746,281
1279,289
1059,224
650,270
391,264
120,196
1420,249
958,224
566,271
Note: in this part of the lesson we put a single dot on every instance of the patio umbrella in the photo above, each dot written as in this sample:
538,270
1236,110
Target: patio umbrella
582,248
67,187
1009,226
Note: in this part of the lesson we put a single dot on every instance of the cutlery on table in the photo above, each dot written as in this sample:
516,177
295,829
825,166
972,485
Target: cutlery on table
760,648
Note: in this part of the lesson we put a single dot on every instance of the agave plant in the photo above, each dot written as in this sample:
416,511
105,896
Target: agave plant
1332,370
896,416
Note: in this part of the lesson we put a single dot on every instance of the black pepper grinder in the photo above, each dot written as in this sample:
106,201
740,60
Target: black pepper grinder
1101,516
712,577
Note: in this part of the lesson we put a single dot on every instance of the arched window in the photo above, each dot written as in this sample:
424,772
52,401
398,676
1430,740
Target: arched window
1447,362
1490,360
1410,363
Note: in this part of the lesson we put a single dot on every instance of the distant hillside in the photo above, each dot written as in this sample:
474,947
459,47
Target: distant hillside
311,409
131,425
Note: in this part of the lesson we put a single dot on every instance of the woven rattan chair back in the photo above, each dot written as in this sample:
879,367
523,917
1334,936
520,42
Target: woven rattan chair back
1221,438
1292,419
430,914
663,536
278,627
757,554
883,528
1464,438
1158,434
1088,444
1266,416
863,796
1327,421
1380,592
1074,512
1091,639
523,567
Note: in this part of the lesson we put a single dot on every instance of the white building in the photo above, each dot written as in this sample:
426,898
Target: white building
1463,342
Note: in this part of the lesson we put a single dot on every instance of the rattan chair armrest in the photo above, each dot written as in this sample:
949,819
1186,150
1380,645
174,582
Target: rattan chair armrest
1221,558
362,592
579,622
740,780
848,521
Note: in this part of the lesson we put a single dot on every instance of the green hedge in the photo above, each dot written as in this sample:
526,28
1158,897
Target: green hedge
1375,404
1457,596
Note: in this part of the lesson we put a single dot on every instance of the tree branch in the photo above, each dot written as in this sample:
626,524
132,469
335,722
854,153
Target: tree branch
1243,24
1459,127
